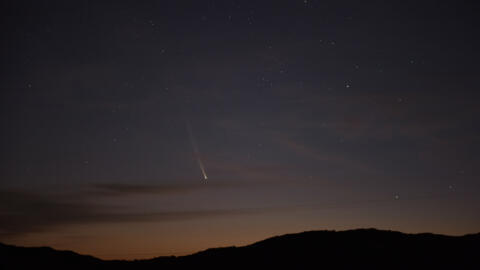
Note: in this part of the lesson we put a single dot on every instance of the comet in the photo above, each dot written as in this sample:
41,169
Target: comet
196,152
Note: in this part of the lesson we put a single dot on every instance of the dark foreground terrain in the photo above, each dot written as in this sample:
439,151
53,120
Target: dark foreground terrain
355,249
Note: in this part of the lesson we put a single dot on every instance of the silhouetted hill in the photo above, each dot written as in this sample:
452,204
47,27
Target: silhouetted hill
354,249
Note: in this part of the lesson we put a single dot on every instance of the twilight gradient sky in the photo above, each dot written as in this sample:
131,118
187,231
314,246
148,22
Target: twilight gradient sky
306,115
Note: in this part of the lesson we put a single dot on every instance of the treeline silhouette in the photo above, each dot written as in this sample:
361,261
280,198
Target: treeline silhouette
353,249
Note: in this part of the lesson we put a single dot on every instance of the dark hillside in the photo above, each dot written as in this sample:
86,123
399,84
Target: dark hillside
363,248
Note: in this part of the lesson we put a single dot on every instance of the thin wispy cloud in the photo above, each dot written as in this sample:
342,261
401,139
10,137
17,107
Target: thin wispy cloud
24,212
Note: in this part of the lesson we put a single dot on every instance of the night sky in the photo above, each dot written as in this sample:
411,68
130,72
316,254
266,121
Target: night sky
140,129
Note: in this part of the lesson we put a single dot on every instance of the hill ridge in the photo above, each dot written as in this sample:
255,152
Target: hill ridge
367,247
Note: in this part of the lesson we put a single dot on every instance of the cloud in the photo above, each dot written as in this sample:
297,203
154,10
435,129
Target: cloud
119,189
126,189
24,212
